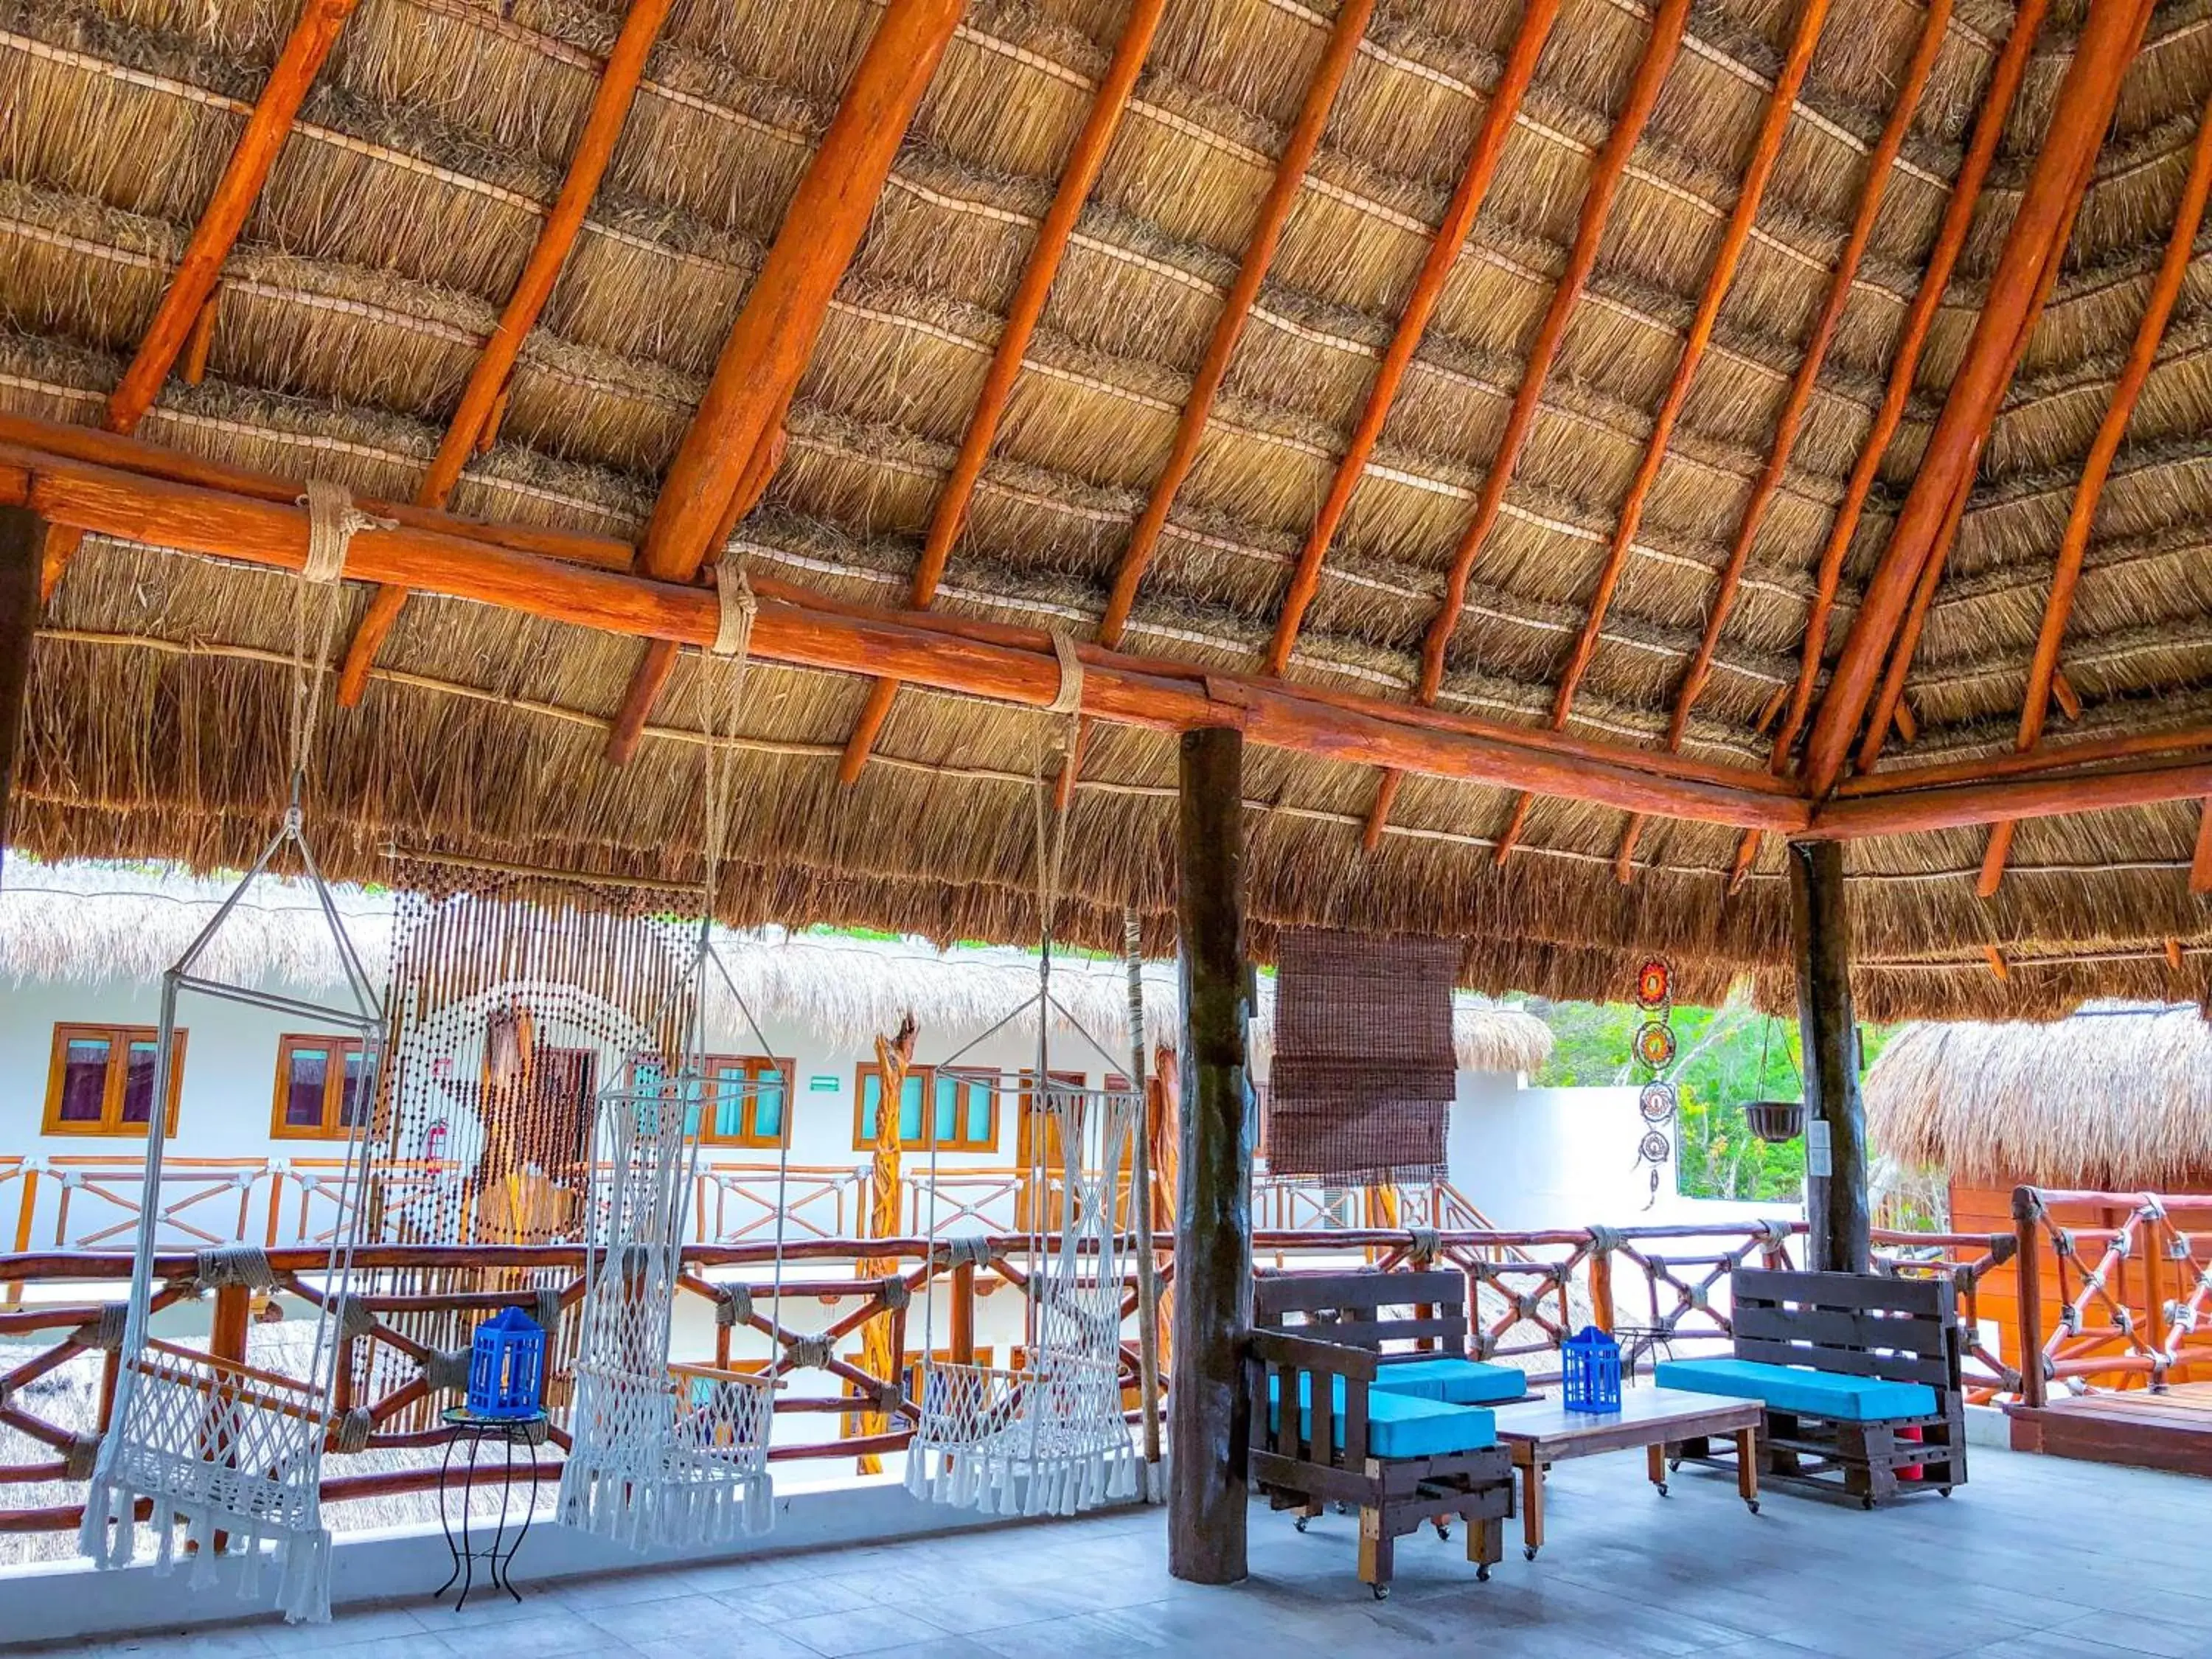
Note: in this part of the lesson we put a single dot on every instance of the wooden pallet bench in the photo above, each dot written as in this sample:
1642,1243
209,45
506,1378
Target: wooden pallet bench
1341,1415
1860,1376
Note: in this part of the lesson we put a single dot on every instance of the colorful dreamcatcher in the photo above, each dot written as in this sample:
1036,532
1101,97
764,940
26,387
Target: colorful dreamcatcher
1658,1101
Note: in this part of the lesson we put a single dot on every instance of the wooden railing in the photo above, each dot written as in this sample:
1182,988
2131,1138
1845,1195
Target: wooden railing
2114,1289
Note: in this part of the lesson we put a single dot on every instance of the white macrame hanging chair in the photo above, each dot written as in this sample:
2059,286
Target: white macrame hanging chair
216,1448
661,1458
1049,1437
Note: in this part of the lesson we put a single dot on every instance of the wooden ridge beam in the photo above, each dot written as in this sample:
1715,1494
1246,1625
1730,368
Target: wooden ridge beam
1607,168
440,554
1998,99
477,417
1491,133
1076,179
1336,60
2042,675
732,432
2102,52
184,302
2046,758
1962,805
1766,150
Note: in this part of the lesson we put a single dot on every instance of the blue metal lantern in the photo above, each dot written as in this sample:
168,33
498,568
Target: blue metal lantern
506,1367
1590,1371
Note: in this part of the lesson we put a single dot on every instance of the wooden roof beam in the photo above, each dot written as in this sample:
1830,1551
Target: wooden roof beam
440,554
732,430
476,418
2043,676
1997,97
1336,59
1766,150
1963,805
1607,168
1076,179
184,302
1880,164
2061,169
1491,133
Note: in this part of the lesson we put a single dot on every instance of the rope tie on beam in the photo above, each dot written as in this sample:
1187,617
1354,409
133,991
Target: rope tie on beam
809,1353
549,1307
893,1292
445,1369
105,1333
332,522
733,1306
1068,700
353,1317
1604,1241
1421,1247
351,1432
78,1458
1774,1232
968,1250
733,627
231,1265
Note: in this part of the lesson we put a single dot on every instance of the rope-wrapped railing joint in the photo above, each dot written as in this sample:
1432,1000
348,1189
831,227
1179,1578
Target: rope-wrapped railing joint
446,1371
808,1353
733,1306
230,1266
350,1433
967,1250
1604,1241
893,1293
106,1332
351,1314
80,1456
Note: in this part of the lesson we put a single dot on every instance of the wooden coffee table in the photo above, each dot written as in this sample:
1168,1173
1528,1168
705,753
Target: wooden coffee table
1541,1432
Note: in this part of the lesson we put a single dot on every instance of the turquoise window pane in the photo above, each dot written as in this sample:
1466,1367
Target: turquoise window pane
910,1109
946,1119
729,1101
767,1106
979,1113
872,1095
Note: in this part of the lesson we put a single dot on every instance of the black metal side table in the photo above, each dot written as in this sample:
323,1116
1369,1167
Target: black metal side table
465,1427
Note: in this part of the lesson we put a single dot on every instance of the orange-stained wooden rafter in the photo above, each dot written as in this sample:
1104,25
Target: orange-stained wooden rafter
1606,172
2103,49
1997,97
185,309
1766,150
2042,676
1077,177
733,429
140,492
1341,48
159,498
483,398
1490,137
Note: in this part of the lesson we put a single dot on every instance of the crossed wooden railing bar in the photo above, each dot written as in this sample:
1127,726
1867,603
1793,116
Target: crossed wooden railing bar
1528,1290
2130,1303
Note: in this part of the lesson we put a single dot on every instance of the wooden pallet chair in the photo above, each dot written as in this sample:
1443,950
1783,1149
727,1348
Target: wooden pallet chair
1328,1428
1861,1376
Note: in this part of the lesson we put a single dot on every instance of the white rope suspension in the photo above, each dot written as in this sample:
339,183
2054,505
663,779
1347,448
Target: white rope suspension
219,1451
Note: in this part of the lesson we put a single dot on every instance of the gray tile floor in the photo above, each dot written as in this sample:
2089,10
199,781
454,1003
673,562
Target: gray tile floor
2036,1558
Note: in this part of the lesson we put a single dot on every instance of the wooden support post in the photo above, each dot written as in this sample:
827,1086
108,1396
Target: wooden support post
963,1313
22,545
1208,1422
1840,1236
2026,1220
1600,1283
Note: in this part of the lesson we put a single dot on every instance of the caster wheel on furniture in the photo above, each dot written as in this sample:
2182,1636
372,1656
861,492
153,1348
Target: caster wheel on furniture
1482,1573
1382,1592
1300,1523
1527,1551
1751,1504
1674,1465
1662,1488
1443,1532
1942,1491
1866,1503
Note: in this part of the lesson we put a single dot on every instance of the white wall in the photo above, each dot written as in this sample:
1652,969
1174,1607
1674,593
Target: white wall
1566,1157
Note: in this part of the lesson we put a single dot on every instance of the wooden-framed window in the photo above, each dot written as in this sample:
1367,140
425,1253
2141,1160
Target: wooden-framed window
101,1081
952,1111
320,1081
756,1117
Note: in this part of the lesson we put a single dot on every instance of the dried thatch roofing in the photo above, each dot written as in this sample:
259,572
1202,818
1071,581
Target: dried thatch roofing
2115,1098
89,923
374,264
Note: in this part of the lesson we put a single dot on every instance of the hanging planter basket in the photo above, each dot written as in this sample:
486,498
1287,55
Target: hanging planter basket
1774,1120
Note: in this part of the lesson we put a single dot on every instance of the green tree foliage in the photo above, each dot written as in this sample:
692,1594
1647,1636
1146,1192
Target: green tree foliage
1717,1067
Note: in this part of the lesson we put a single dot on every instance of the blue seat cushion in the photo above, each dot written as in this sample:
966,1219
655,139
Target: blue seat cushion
1456,1381
1801,1388
1398,1424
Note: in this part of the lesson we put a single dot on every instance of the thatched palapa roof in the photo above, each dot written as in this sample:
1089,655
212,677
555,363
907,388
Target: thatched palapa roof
2115,1098
90,923
1671,417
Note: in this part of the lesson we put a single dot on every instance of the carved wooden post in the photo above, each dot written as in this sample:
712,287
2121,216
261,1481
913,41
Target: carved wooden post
22,541
882,1342
1840,1237
1208,1417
